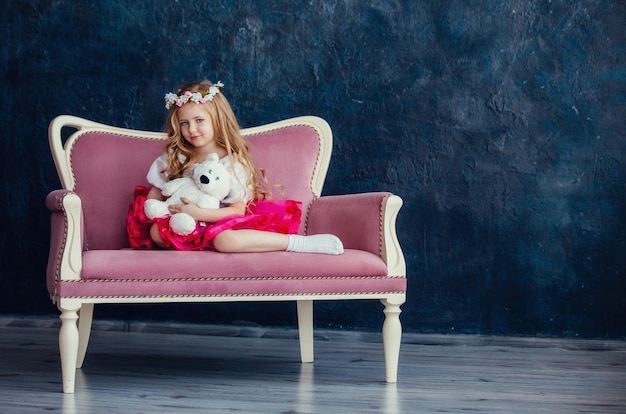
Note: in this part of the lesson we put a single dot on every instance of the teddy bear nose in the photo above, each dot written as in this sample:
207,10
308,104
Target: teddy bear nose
204,179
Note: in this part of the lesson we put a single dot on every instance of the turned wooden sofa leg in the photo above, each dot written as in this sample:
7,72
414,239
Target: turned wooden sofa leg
68,346
305,329
392,336
85,316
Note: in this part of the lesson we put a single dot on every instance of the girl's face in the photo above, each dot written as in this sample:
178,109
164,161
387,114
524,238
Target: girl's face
197,129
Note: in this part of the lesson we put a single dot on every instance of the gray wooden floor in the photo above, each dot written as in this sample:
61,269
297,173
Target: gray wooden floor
169,368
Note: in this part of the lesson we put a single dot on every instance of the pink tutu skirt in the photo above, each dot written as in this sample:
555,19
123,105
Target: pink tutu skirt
278,216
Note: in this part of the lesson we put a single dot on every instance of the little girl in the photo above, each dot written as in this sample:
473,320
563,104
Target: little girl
200,122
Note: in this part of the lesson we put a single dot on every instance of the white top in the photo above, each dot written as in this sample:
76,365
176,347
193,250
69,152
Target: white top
240,191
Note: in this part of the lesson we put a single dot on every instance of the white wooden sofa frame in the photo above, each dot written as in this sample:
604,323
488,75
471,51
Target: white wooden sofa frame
89,263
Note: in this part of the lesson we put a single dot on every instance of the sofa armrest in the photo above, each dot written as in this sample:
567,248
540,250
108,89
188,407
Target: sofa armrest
66,237
365,221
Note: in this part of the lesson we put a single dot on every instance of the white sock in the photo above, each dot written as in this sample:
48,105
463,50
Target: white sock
317,243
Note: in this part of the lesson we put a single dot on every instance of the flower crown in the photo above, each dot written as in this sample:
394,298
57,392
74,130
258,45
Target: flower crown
197,97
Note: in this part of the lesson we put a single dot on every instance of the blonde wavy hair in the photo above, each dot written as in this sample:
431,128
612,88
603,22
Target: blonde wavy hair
181,155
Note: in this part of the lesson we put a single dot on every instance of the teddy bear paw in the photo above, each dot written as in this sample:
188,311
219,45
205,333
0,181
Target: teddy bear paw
182,224
155,209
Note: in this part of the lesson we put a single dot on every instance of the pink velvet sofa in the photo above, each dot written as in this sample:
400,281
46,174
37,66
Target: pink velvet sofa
90,263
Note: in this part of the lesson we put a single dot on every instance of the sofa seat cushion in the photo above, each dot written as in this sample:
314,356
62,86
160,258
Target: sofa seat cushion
169,273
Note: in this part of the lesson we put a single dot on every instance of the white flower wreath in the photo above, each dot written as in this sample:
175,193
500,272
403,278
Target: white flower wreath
197,97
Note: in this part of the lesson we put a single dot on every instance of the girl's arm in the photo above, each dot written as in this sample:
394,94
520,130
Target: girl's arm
155,192
208,215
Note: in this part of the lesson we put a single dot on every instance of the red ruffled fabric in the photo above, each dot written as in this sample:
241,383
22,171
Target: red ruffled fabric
279,216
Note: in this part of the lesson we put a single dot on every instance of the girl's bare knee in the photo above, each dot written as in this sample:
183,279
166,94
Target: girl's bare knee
155,235
226,242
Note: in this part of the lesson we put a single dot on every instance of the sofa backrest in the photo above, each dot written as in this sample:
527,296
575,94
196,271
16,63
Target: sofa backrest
103,165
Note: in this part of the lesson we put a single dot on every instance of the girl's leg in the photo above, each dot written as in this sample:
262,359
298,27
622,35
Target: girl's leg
156,236
232,241
237,241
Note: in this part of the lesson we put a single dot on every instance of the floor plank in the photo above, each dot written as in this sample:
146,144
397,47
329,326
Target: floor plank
178,368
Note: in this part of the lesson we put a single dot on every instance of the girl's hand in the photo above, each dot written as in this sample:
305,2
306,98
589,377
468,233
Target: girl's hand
189,208
208,215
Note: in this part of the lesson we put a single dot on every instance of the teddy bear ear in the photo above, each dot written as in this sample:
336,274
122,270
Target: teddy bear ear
213,156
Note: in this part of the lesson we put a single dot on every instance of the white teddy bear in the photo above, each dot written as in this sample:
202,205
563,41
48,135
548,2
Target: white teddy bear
209,185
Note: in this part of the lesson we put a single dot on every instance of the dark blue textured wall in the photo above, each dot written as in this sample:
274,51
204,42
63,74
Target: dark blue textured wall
501,124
